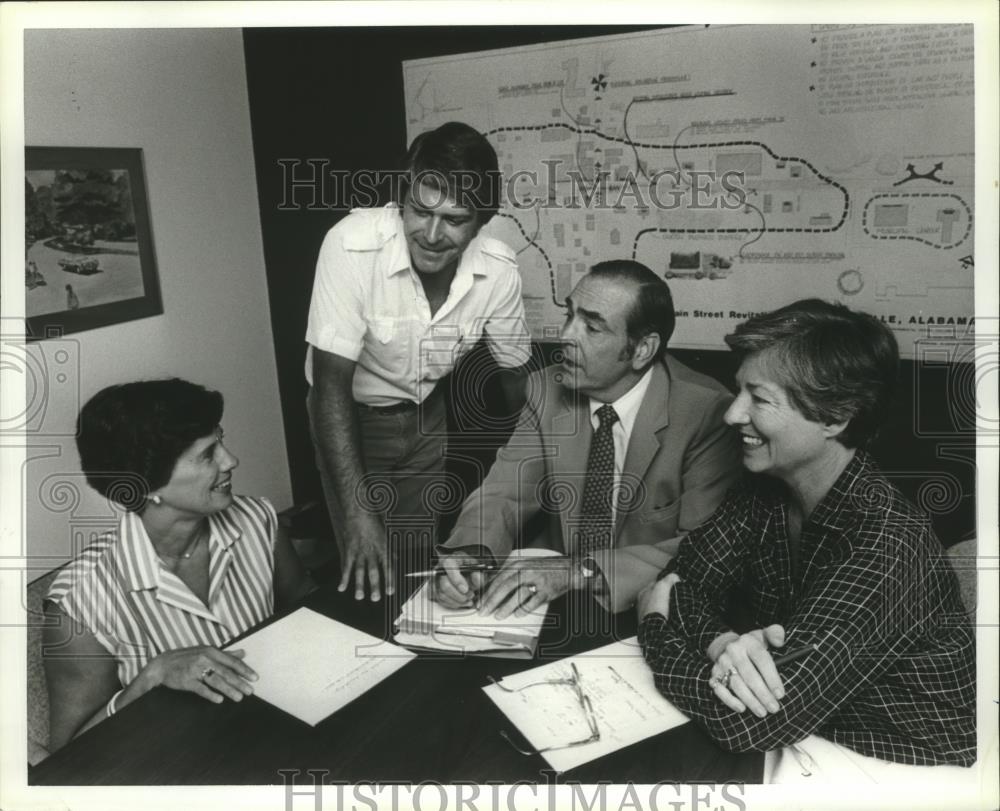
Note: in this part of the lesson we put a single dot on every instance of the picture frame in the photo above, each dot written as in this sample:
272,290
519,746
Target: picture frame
89,258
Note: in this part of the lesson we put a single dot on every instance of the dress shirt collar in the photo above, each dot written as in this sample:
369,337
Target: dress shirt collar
627,406
397,259
138,561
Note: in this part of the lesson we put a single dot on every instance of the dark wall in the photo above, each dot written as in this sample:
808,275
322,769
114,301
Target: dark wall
337,95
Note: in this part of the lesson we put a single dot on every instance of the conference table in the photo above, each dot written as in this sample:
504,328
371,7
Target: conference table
428,721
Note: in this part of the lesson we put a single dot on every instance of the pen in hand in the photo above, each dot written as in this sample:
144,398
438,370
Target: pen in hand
471,567
794,655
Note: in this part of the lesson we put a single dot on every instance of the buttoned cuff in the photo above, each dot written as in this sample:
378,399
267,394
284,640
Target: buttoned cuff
651,628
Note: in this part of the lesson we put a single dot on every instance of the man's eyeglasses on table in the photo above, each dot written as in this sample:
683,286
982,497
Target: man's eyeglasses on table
584,701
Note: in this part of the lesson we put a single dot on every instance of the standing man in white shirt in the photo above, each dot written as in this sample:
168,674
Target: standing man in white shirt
400,294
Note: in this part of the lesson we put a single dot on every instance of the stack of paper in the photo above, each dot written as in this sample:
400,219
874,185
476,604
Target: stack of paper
625,704
428,625
310,665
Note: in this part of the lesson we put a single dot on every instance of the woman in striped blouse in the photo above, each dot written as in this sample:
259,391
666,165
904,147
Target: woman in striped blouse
189,567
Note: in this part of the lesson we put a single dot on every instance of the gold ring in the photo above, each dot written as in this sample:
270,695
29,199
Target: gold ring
208,671
532,589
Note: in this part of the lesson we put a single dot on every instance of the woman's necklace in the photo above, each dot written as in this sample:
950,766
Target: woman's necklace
188,550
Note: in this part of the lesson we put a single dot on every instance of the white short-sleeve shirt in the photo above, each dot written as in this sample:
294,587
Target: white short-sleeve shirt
369,306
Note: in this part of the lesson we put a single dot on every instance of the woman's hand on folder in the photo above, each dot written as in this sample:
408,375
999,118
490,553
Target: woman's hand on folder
454,588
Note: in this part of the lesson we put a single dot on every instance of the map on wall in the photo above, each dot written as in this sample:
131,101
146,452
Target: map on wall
748,165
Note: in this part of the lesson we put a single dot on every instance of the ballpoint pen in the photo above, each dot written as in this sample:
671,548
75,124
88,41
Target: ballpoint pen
793,656
471,567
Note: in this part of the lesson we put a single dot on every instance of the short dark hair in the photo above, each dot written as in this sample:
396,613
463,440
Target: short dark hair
459,160
130,436
653,306
836,364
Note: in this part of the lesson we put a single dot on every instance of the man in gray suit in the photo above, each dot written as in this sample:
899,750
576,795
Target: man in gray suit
674,459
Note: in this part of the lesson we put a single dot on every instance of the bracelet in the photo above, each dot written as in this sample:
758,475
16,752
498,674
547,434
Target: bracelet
111,708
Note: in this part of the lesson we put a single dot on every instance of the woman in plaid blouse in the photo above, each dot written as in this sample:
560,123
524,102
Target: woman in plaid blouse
833,562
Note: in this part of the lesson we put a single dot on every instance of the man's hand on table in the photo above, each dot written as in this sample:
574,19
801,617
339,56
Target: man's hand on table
523,584
367,556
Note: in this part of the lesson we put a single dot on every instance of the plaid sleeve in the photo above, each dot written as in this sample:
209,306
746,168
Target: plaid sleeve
861,612
709,563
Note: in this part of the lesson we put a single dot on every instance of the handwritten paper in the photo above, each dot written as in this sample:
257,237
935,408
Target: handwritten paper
626,704
310,665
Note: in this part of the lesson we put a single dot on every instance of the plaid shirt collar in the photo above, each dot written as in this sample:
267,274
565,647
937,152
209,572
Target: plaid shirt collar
849,491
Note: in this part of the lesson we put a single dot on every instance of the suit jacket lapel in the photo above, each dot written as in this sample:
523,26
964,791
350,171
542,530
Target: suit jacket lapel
571,433
645,441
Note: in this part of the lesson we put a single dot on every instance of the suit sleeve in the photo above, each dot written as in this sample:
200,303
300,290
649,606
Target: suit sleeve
711,466
495,514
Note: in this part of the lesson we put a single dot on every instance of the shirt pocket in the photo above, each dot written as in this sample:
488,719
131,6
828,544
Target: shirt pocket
382,328
446,344
388,342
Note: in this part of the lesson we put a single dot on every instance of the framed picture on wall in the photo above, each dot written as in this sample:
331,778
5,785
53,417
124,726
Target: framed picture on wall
89,259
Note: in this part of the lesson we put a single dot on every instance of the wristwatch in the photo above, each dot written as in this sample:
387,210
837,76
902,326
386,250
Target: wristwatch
589,571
